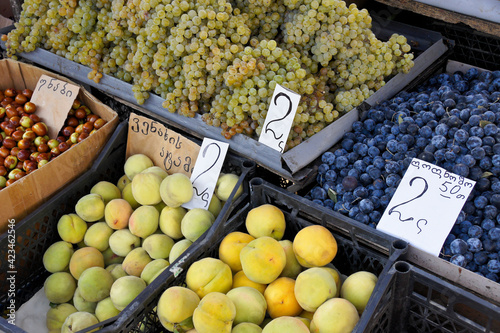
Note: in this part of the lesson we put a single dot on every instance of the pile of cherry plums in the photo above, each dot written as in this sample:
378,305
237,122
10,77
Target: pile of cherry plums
24,142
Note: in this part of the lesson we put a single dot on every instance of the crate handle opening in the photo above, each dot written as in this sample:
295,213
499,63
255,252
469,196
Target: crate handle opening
400,245
402,267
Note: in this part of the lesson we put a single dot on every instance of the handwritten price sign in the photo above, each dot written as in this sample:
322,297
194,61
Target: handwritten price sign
53,99
279,118
167,149
206,172
425,206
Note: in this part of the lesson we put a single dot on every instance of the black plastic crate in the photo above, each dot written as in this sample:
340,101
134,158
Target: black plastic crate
418,301
353,254
360,247
472,46
35,233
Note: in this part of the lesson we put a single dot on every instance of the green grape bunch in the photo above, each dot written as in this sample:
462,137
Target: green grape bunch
339,37
241,107
222,59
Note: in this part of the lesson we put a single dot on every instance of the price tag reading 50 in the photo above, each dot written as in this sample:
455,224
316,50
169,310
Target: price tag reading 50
279,118
425,206
206,172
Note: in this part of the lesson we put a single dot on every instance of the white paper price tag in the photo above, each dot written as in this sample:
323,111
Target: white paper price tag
206,172
279,118
425,206
53,99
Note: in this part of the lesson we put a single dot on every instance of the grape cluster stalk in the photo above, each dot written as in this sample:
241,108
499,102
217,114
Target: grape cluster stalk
222,59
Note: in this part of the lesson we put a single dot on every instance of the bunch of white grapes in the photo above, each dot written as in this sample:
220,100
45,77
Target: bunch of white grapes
222,59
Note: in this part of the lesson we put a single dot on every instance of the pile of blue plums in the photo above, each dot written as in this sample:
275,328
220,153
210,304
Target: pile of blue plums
450,121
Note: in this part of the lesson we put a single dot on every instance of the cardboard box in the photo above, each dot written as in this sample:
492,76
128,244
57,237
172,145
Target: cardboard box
22,197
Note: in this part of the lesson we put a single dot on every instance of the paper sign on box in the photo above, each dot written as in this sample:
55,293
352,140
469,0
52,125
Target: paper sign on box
279,118
425,206
53,99
166,148
206,172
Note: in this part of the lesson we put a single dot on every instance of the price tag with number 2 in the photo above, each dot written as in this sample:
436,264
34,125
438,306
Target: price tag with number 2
279,118
206,172
425,206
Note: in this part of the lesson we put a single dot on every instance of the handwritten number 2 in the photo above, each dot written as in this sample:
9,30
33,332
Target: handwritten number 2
204,194
268,126
215,161
393,209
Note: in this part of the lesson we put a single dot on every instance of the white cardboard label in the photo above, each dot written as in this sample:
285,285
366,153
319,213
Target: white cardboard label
166,148
425,206
279,118
53,99
206,172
